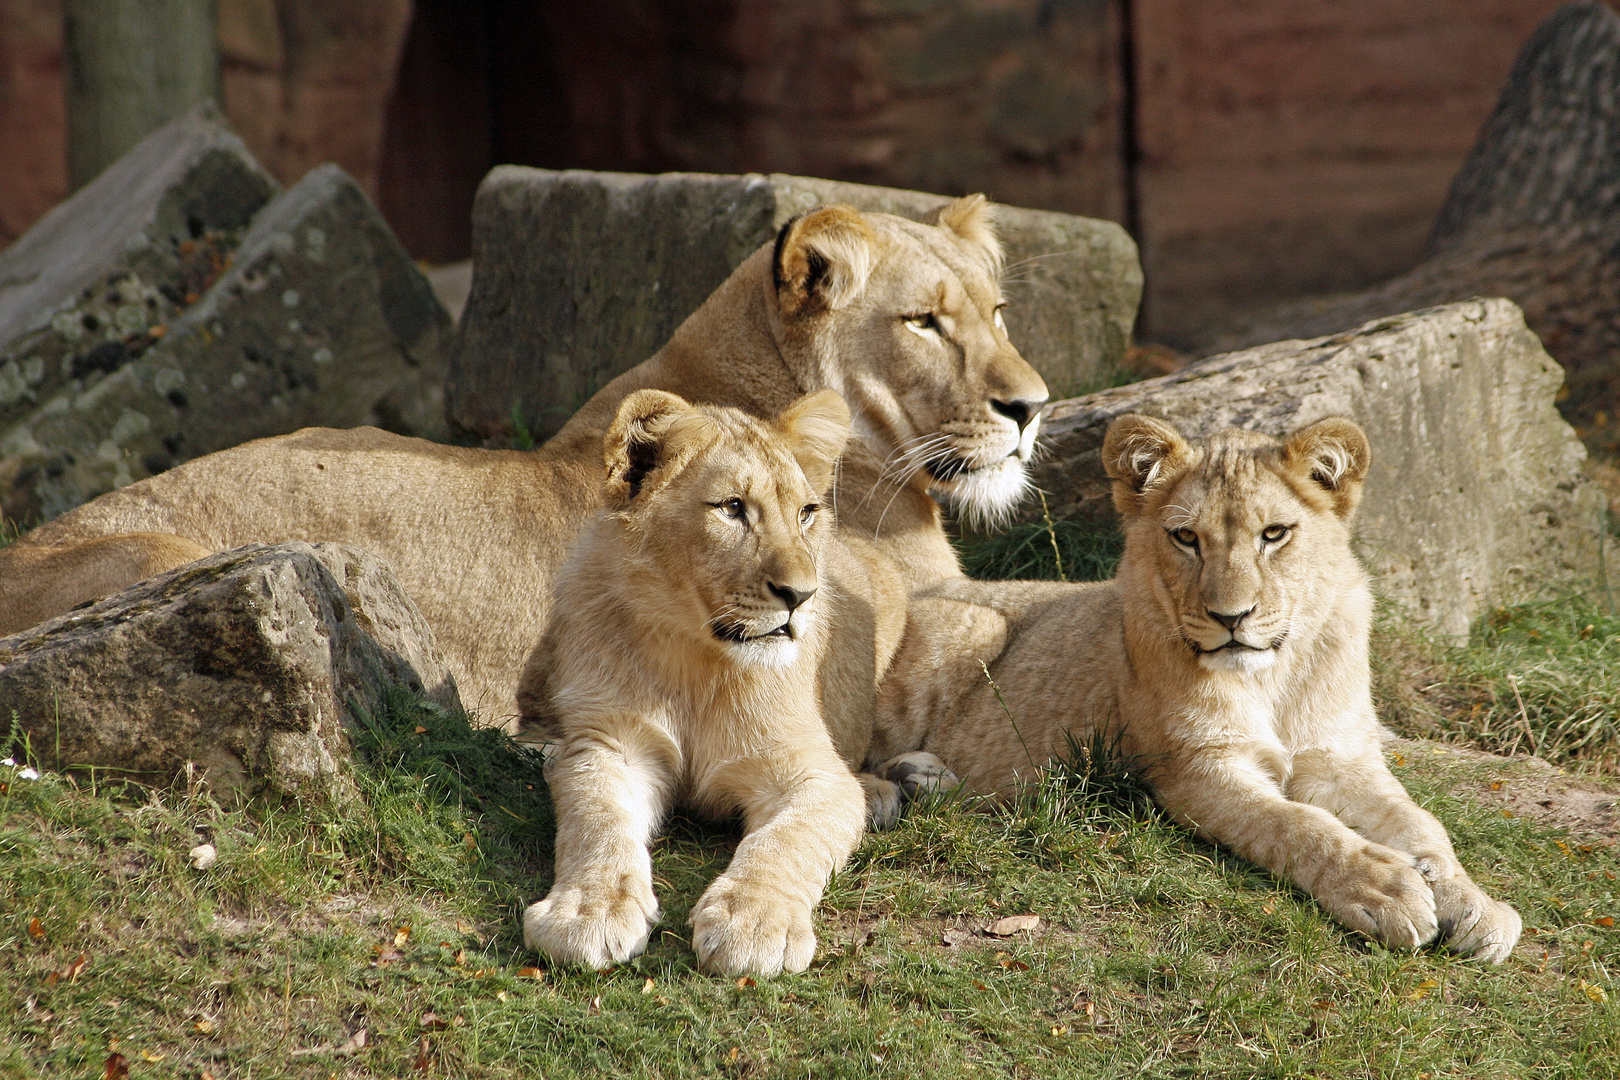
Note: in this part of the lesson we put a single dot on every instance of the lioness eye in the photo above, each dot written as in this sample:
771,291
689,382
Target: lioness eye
923,322
732,507
1185,537
1001,323
1274,533
808,514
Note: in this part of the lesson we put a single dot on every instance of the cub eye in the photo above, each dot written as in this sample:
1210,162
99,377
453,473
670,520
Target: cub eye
732,508
808,514
1274,533
1184,537
923,324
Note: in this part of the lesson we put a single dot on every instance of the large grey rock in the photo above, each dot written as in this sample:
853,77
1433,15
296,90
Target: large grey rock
1475,495
249,663
221,321
581,275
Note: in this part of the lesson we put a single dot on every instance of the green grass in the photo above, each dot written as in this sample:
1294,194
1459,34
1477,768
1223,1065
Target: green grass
1158,955
1540,677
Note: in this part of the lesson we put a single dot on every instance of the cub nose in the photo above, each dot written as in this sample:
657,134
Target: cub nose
789,595
1229,621
1019,410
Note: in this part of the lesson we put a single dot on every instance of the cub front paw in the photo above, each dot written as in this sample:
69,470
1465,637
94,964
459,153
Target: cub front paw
738,930
1383,896
594,925
1472,924
918,772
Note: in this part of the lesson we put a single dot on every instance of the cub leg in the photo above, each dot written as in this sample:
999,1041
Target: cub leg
1370,887
39,582
803,819
1364,795
601,907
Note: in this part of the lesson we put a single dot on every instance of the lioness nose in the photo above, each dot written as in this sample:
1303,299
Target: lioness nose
1019,410
1230,621
789,595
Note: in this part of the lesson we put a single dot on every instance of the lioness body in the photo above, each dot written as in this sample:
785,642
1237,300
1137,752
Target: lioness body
900,317
711,643
1228,658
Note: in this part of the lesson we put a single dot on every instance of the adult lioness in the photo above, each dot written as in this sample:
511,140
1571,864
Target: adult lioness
899,317
711,643
1228,655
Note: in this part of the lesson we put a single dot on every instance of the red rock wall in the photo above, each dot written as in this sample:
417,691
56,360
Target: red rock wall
1291,147
1284,147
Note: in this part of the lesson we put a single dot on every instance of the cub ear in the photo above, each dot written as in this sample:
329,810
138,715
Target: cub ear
822,260
637,442
1139,452
972,218
816,428
1334,453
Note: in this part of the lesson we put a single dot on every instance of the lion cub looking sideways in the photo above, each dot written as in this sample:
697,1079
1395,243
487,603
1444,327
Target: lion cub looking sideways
712,643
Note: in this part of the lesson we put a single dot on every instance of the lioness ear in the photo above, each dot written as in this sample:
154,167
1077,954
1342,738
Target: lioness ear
816,428
822,260
635,444
1139,452
972,218
1334,453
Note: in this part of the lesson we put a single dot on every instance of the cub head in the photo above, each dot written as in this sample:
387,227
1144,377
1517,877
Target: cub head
723,517
903,319
1239,542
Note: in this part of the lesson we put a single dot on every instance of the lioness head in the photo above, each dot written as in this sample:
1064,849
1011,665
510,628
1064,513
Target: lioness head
1240,542
903,319
722,516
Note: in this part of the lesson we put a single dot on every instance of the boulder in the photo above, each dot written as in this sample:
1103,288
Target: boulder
580,275
141,330
1532,216
250,663
1475,496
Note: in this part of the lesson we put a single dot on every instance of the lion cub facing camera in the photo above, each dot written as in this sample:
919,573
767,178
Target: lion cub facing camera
713,643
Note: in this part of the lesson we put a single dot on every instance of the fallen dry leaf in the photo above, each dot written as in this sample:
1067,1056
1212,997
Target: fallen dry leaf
1012,924
433,1022
952,938
1423,989
647,987
1006,960
745,982
1594,992
595,1007
203,1027
147,1055
401,936
36,930
202,856
530,973
116,1068
424,1055
1604,920
386,954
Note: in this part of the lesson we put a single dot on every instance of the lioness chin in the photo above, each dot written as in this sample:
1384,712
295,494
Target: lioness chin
699,627
900,317
1229,658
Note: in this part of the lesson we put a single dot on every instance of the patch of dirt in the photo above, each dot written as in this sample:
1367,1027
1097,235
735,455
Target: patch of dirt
1525,786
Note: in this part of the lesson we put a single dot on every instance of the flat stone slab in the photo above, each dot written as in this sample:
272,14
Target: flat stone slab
216,311
250,664
1475,496
581,275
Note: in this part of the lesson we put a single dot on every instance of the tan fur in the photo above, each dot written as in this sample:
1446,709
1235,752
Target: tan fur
1274,750
476,535
659,681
